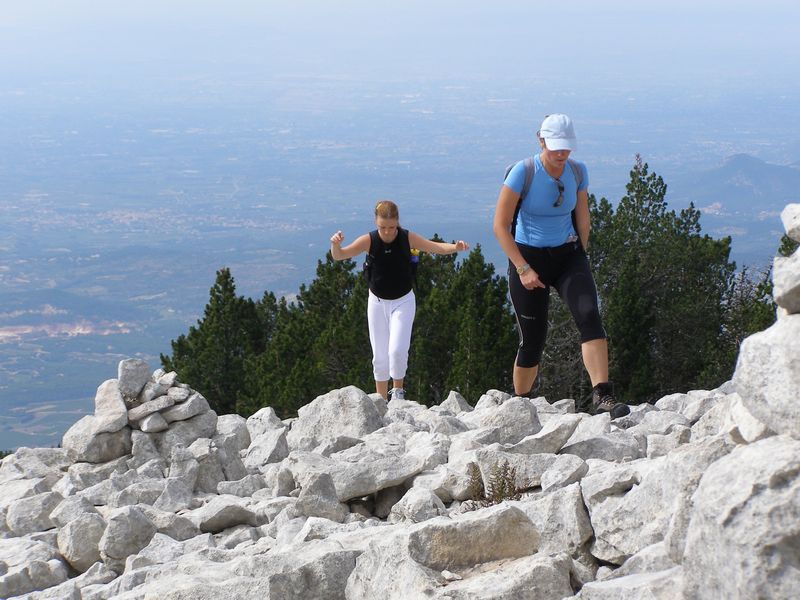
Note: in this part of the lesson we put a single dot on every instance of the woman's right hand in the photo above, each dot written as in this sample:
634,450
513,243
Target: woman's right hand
530,280
337,238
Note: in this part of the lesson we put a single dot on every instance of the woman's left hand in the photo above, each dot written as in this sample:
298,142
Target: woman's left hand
461,246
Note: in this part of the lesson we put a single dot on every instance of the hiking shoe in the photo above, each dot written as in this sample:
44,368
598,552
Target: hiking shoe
602,400
397,394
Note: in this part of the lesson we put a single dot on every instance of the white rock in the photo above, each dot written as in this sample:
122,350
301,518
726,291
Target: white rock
790,217
133,373
32,463
27,565
83,442
71,508
235,425
194,406
79,541
455,403
767,375
153,423
745,523
268,447
148,408
565,470
409,562
221,513
347,411
32,514
617,446
184,433
209,461
662,585
175,496
318,498
128,530
786,281
179,394
662,444
110,411
244,487
631,507
561,519
535,577
552,437
262,421
741,423
417,505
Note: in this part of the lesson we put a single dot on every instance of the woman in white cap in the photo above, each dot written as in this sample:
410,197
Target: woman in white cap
391,305
546,246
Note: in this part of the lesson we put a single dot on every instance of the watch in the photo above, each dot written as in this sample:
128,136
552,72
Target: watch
523,268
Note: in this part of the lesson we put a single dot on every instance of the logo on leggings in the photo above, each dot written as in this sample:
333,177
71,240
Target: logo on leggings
529,317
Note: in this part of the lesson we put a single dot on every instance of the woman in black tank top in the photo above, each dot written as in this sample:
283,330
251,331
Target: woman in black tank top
391,305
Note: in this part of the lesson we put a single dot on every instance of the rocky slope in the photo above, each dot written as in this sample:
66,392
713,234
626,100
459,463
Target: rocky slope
156,496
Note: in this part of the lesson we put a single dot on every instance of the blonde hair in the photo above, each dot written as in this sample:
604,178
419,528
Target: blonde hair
386,209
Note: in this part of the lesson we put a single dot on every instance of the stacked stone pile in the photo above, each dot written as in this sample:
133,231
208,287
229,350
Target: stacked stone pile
155,497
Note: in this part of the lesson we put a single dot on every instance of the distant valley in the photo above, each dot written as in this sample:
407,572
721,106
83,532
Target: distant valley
113,221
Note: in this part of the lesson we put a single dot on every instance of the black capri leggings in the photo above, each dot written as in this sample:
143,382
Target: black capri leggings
566,268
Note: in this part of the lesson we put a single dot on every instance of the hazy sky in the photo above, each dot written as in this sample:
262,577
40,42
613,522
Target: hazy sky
689,41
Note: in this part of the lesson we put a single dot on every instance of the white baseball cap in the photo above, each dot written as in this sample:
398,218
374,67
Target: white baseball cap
558,133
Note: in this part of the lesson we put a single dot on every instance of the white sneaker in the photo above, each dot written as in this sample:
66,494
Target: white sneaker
397,394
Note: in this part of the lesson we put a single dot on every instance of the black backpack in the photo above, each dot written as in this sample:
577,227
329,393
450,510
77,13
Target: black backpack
405,245
526,186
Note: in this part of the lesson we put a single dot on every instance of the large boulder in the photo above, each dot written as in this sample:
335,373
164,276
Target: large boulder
409,563
110,411
27,565
348,411
79,541
767,375
133,374
744,528
84,442
128,530
32,514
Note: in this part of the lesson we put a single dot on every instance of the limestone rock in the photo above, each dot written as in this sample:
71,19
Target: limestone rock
267,447
786,281
551,438
153,423
745,523
347,411
32,514
262,421
236,426
194,406
110,411
417,505
27,565
128,530
133,374
221,513
767,375
79,541
83,442
148,408
790,216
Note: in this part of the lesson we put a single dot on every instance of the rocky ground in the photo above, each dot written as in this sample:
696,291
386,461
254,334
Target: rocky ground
154,496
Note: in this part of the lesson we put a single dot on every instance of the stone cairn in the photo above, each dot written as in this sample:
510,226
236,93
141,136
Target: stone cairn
155,497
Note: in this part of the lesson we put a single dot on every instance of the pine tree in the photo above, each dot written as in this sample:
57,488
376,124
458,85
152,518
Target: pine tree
663,285
483,347
211,357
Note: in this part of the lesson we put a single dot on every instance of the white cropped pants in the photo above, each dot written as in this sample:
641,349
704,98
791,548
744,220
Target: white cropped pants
390,323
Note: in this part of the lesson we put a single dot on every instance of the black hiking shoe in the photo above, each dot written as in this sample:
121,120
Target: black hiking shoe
602,400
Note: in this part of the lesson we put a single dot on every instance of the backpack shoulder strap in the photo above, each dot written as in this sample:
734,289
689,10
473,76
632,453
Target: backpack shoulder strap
530,168
577,172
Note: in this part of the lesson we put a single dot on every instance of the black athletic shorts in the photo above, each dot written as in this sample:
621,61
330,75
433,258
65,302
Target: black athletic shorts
566,268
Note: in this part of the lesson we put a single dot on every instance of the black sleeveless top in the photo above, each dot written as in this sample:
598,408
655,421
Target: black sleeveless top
390,271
